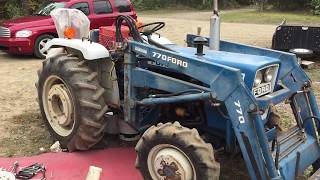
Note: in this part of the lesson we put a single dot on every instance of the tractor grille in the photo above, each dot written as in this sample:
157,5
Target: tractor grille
4,32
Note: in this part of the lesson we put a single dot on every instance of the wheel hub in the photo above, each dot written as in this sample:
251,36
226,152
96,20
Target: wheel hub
60,107
170,163
42,44
167,166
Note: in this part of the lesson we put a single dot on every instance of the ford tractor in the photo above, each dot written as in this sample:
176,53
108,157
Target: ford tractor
181,102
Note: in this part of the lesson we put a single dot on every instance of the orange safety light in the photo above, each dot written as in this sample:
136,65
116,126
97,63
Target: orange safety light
70,33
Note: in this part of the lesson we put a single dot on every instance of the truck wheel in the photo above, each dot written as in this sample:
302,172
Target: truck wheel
170,151
71,102
39,45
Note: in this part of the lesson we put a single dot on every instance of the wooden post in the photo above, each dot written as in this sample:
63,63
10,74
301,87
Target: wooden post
199,31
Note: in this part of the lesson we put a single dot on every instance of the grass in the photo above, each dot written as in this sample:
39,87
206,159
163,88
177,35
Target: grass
284,110
239,16
271,17
314,73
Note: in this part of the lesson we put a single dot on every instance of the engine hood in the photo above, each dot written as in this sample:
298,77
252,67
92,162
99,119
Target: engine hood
248,64
27,22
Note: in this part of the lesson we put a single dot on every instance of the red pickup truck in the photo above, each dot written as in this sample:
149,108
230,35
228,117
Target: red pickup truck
28,35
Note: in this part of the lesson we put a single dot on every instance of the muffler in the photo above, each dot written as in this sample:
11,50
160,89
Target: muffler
214,43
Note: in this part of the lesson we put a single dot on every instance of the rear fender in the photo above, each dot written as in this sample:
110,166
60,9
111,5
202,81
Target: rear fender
89,50
92,52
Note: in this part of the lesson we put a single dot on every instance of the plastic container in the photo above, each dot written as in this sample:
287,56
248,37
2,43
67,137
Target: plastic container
71,18
107,36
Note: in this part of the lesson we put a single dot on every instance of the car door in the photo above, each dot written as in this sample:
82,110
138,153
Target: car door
104,14
82,6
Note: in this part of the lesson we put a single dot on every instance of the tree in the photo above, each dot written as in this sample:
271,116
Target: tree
316,6
262,4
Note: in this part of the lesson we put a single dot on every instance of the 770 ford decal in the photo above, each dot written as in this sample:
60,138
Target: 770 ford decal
170,59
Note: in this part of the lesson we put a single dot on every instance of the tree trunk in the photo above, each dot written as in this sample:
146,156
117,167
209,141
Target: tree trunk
25,7
262,4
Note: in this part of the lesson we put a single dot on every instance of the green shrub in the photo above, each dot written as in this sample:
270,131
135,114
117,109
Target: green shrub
16,8
315,7
289,4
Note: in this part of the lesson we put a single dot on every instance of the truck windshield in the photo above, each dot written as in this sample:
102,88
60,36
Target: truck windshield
48,7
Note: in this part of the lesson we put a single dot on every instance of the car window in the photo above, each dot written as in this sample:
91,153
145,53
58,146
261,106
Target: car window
47,8
123,5
102,7
83,6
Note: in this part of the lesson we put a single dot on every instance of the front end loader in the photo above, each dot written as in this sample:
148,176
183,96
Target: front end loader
184,102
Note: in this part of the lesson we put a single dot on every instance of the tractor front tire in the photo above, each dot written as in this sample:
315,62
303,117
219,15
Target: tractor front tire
71,101
170,151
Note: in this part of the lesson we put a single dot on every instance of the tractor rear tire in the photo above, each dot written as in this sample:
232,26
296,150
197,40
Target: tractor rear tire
170,151
71,101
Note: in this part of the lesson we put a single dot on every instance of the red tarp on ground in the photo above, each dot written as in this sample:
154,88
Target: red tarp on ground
116,163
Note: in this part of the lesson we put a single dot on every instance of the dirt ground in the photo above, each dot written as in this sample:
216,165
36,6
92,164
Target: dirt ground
20,122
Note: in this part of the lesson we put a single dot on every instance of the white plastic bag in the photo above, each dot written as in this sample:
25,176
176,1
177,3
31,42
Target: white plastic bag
71,18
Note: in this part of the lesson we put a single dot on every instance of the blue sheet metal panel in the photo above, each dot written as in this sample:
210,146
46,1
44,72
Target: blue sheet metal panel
196,67
271,134
148,79
248,64
288,61
309,152
215,119
295,79
274,98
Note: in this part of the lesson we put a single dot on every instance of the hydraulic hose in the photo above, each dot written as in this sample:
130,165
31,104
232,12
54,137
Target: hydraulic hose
130,22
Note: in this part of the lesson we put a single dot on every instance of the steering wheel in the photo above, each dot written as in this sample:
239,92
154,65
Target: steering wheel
151,28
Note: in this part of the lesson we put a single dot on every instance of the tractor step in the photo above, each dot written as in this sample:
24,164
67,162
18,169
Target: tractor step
289,141
315,176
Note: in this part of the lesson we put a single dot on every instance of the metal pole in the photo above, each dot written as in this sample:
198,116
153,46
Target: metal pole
214,42
215,5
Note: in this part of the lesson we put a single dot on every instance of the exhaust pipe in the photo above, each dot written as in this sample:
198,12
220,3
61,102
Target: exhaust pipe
214,43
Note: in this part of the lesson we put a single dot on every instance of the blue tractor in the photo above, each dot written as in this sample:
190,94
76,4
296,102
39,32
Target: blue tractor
183,101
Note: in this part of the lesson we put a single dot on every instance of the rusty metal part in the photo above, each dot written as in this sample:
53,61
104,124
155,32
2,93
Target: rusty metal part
166,161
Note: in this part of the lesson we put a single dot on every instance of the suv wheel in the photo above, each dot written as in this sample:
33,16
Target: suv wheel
39,45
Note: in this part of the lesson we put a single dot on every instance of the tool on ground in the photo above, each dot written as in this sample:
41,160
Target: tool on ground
31,171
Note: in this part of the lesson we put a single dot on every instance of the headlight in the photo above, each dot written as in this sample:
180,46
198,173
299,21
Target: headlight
268,75
258,79
23,33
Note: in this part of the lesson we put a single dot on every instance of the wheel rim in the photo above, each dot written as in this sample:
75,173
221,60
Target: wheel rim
42,43
301,51
58,105
167,161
